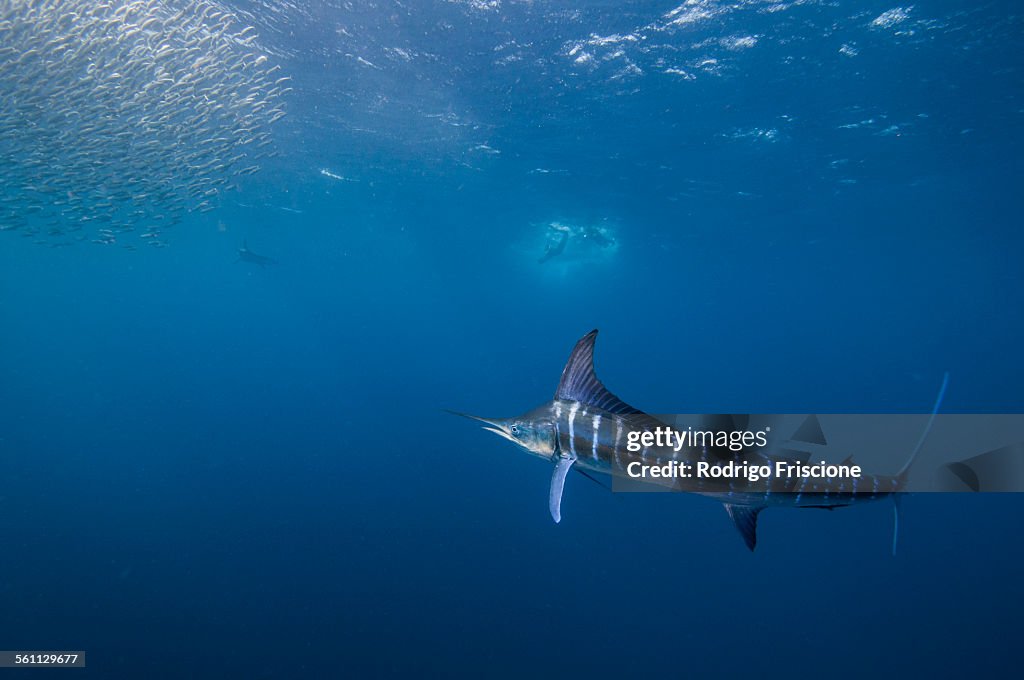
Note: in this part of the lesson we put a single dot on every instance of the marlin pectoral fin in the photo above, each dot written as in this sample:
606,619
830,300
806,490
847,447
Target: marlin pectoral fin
562,465
745,518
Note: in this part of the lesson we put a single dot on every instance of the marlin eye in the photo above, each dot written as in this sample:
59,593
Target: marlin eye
514,429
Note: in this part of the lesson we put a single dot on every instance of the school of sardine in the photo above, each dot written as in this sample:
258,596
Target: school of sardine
119,118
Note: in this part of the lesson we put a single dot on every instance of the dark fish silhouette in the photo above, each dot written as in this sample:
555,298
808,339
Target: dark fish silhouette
246,255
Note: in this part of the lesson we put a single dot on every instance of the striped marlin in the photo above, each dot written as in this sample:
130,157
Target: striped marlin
586,427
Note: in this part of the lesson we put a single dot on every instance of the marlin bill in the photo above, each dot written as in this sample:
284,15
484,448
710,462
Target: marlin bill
587,429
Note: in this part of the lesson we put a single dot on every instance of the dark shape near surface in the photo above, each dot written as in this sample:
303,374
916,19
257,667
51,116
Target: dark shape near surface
596,236
555,246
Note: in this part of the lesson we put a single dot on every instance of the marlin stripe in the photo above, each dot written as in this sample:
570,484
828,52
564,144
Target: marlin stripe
572,426
618,440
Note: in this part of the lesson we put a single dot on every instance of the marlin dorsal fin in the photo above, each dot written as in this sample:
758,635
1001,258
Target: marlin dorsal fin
580,383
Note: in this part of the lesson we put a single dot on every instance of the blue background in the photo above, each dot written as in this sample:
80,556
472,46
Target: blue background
211,468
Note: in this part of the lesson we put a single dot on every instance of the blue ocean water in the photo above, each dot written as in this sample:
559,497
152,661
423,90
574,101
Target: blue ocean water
215,469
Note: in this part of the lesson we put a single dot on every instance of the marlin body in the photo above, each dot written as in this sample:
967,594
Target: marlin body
585,427
246,255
